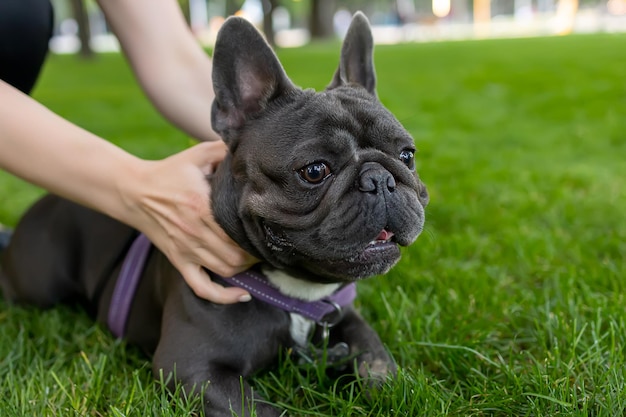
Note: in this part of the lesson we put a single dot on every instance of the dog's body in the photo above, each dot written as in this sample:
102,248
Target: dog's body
320,186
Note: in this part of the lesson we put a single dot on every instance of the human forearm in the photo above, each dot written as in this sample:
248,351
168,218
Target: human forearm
172,68
168,200
43,148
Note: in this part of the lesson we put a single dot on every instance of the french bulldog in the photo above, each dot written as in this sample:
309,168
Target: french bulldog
320,186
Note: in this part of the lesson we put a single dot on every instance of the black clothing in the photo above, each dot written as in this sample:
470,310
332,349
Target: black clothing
25,30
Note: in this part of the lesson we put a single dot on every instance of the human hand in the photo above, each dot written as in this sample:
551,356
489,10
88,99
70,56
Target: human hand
169,201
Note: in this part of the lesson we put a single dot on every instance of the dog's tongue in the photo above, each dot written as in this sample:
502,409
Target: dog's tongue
384,235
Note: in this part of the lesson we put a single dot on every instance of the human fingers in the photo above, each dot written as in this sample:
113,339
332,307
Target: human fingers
202,285
205,155
224,257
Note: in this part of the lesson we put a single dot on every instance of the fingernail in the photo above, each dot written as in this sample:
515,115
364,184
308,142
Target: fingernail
245,298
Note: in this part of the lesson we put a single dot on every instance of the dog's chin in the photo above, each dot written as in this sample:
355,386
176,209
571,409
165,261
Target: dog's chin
372,258
376,259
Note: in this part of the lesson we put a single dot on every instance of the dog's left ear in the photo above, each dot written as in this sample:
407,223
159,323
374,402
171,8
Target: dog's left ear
356,65
246,76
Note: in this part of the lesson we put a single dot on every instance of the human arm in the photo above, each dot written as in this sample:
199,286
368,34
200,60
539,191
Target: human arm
168,200
170,65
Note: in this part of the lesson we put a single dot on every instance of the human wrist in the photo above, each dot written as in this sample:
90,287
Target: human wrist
129,182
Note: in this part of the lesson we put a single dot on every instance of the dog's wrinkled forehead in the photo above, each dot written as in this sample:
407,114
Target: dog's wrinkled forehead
343,120
340,126
359,114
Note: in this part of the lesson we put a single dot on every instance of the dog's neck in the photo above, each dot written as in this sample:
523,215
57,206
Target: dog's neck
300,327
298,288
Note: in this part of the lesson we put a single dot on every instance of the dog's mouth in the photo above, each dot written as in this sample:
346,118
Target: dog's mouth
384,246
385,236
372,258
276,240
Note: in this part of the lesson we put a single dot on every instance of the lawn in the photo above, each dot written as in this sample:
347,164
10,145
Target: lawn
512,302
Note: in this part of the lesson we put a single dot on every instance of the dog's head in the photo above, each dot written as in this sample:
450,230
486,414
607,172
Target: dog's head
321,184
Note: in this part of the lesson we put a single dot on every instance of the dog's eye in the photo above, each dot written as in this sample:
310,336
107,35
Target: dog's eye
314,173
407,156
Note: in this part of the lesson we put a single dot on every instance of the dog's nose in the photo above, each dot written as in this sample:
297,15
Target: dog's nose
374,178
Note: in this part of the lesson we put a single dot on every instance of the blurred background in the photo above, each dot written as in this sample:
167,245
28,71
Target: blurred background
81,27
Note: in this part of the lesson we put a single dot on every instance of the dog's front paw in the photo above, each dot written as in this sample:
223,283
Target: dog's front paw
376,369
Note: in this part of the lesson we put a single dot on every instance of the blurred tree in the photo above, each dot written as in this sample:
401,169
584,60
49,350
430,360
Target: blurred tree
321,18
79,12
298,11
232,6
268,21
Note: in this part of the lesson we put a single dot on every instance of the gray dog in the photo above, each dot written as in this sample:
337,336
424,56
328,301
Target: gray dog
320,186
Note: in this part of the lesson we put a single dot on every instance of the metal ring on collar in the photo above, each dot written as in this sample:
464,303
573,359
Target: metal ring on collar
331,319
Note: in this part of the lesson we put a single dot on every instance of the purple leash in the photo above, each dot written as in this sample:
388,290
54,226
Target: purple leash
127,284
251,280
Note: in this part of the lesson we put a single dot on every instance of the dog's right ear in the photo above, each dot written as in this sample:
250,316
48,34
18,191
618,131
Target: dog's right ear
246,76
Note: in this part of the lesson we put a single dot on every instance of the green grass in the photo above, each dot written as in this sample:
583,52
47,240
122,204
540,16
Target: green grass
512,302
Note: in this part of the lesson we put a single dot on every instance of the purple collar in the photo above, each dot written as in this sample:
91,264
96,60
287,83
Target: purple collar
325,311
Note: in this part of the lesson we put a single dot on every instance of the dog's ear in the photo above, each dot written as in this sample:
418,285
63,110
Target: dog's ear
356,65
246,76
